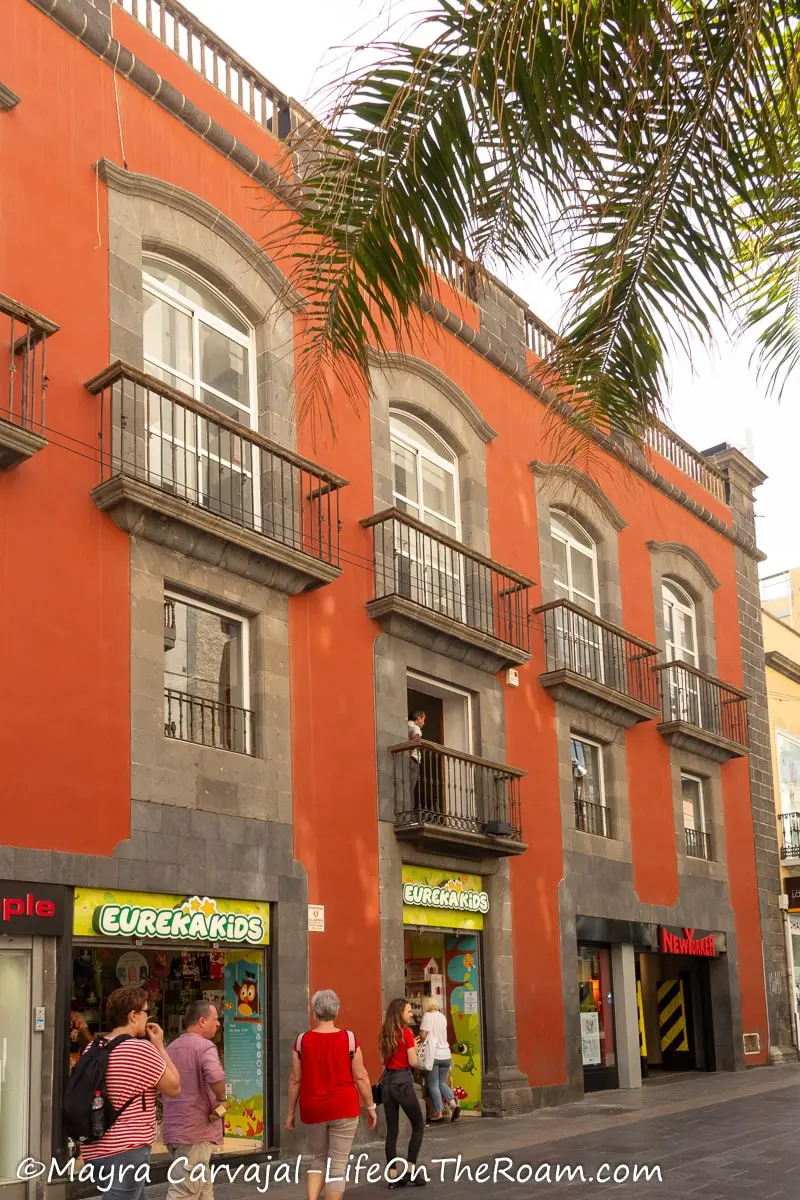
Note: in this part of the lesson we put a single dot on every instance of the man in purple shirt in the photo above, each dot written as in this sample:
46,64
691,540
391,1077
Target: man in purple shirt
193,1128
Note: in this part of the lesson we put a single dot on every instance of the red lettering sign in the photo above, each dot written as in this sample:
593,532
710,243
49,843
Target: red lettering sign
15,906
673,943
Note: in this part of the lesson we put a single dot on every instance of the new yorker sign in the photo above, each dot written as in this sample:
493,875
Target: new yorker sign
688,941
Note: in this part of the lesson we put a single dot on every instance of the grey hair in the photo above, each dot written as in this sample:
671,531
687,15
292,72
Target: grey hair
326,1005
196,1011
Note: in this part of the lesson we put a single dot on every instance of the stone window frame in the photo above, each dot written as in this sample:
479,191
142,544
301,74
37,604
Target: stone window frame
573,722
403,384
683,762
146,215
674,561
568,490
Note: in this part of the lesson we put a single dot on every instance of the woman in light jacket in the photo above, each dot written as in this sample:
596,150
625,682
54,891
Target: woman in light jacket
434,1026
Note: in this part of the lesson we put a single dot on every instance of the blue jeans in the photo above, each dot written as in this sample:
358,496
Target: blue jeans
123,1185
436,1085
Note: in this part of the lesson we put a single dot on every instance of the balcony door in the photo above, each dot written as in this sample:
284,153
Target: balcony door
425,486
196,343
680,634
448,783
580,643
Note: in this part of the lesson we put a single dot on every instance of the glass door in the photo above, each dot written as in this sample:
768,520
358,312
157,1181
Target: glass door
15,1057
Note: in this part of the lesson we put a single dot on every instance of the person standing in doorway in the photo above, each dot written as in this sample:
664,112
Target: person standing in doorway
399,1053
193,1121
138,1067
416,724
434,1026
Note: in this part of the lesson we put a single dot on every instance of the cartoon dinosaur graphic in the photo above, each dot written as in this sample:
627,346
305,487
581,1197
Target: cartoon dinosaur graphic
468,1050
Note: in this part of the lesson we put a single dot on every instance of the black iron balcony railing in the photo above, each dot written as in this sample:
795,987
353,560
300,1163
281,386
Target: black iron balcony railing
414,561
24,357
691,696
698,844
157,435
593,648
790,831
593,818
208,722
434,785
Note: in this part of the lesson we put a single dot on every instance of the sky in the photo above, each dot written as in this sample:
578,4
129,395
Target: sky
716,398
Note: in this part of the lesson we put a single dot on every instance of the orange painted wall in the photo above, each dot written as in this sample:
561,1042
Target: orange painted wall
64,655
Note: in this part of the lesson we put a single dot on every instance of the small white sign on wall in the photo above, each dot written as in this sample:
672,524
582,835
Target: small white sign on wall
470,1001
316,918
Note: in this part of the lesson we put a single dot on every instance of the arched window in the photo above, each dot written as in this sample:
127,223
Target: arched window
574,562
425,475
196,342
680,623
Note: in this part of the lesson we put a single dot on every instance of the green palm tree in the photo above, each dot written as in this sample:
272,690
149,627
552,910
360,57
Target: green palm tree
653,144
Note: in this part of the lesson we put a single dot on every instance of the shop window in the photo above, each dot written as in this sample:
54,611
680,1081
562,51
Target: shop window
234,981
698,842
15,1024
592,813
598,1047
206,676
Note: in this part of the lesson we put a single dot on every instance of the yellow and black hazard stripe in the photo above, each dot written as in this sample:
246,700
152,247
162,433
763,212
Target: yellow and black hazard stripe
672,1016
640,1007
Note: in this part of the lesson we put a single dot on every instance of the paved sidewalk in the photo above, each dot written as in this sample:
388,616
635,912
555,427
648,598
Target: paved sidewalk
711,1136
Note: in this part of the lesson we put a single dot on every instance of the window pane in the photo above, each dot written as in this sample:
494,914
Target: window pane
206,660
421,436
167,334
224,366
690,789
582,573
669,626
686,637
570,529
560,562
438,490
200,295
404,462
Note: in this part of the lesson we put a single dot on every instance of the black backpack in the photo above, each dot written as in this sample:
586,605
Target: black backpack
88,1077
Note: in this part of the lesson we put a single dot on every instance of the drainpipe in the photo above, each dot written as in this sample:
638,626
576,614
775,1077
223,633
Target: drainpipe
787,933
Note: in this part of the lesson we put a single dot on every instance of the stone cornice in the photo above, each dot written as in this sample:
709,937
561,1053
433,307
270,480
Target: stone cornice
149,187
392,361
506,362
8,99
86,24
690,555
783,665
583,481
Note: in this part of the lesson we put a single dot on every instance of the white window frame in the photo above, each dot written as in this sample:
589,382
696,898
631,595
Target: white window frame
227,615
571,542
601,801
671,593
196,314
698,779
423,452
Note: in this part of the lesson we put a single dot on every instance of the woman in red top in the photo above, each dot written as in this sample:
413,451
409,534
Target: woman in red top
328,1075
399,1052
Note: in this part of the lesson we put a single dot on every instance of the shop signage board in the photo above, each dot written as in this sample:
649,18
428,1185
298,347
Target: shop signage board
244,1044
443,899
695,942
792,885
162,917
34,909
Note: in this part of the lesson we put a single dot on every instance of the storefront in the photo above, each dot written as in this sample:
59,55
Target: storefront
443,921
33,921
596,995
674,995
181,949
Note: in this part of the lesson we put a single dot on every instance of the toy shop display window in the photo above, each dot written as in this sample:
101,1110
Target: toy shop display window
234,981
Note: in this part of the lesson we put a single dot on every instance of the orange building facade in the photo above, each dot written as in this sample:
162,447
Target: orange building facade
221,626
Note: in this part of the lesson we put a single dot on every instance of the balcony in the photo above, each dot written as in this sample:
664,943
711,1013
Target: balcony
597,667
790,838
187,477
454,803
698,844
24,357
701,714
437,593
207,722
593,818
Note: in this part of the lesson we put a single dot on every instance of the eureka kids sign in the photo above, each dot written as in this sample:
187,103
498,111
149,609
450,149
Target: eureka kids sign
439,898
174,918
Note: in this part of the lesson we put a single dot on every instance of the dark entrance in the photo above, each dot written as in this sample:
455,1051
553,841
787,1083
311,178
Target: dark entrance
676,1013
598,1034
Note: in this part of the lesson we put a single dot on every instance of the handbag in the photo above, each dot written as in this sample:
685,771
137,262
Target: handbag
377,1091
426,1054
